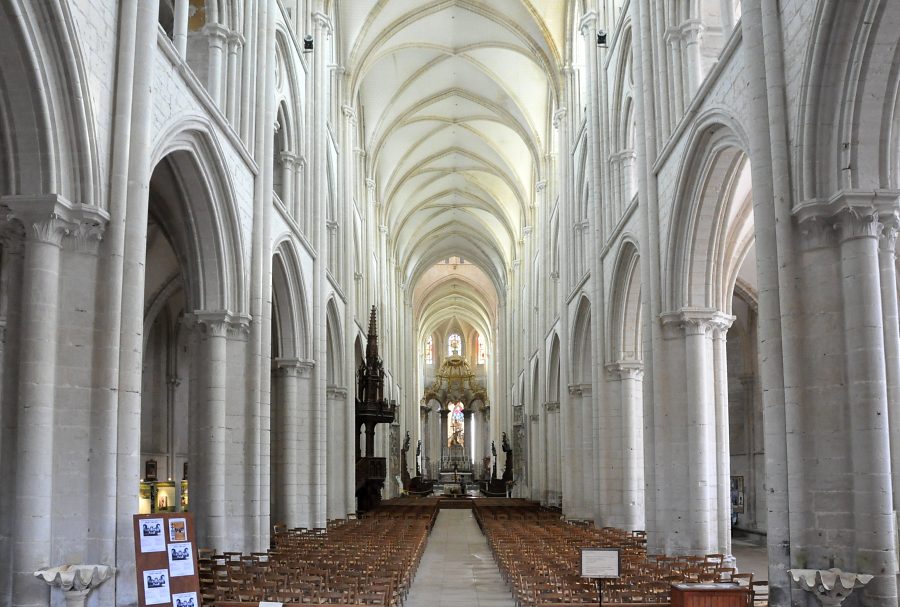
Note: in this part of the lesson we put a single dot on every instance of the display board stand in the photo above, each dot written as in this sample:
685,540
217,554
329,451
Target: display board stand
165,549
601,564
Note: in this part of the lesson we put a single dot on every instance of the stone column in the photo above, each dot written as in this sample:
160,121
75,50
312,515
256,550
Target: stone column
217,35
181,27
287,431
887,261
589,483
749,384
692,33
288,170
553,487
673,40
867,400
630,377
208,474
443,437
336,461
574,490
299,201
691,498
467,429
45,226
537,450
232,101
719,330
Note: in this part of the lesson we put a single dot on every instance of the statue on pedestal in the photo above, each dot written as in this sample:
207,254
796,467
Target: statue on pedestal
508,469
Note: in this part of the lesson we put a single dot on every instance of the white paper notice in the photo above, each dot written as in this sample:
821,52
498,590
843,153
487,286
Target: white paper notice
156,587
152,538
185,599
599,563
181,559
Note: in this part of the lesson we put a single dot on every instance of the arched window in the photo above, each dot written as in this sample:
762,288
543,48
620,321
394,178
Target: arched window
454,345
482,355
429,351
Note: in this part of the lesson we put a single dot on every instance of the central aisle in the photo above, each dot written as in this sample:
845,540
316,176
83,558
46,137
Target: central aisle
457,568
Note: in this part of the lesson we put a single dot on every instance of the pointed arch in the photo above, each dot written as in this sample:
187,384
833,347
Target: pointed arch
580,368
195,196
334,370
290,318
624,323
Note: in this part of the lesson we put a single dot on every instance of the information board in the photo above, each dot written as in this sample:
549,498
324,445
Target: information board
165,546
600,563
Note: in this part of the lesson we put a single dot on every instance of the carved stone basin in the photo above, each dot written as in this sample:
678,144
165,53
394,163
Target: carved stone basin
76,581
830,586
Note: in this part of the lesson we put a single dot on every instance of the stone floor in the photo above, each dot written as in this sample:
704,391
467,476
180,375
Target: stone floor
457,568
751,557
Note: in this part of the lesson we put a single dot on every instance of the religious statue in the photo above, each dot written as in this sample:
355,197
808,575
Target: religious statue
508,469
494,454
418,455
404,469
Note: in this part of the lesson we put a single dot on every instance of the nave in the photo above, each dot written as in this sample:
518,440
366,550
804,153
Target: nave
482,552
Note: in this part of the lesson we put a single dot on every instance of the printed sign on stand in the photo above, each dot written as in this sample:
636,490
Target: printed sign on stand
165,547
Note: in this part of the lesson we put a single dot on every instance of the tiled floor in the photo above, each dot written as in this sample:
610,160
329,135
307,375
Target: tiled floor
457,569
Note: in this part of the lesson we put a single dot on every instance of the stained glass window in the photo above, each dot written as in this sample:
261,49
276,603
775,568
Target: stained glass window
482,355
454,345
429,351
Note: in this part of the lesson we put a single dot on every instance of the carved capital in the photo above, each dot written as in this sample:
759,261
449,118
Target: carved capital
336,393
370,185
695,321
852,223
292,367
331,226
692,30
816,233
887,243
535,418
575,390
540,186
323,22
558,116
626,370
51,218
551,407
588,24
222,324
349,113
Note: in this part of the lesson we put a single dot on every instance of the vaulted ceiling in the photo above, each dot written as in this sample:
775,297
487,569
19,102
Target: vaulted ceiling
456,98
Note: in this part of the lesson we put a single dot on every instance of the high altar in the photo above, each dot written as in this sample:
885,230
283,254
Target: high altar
457,399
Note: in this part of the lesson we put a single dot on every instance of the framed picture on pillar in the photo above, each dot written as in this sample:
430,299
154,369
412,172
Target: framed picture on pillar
737,494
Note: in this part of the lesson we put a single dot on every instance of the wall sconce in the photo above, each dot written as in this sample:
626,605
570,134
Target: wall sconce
601,38
307,43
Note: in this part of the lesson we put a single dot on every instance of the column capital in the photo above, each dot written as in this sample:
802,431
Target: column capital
575,390
695,321
816,233
691,30
236,40
852,223
216,31
887,242
370,184
349,113
336,393
551,407
626,370
323,22
541,185
293,367
558,117
535,418
672,36
222,323
588,24
51,218
288,158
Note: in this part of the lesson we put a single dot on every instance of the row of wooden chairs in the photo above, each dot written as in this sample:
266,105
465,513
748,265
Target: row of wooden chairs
539,556
368,561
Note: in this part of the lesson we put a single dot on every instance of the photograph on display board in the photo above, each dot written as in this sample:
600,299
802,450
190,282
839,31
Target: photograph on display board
152,538
181,559
156,587
185,599
177,530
